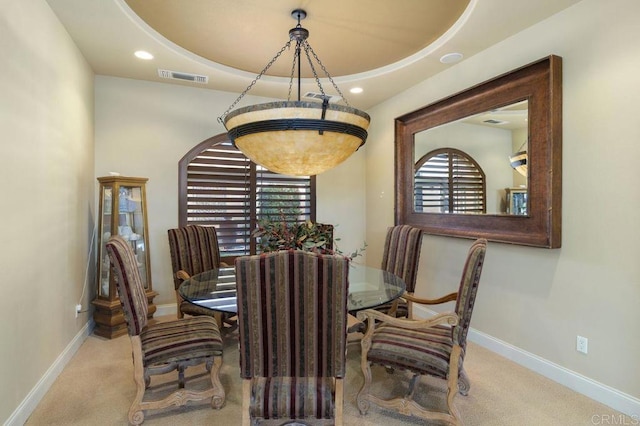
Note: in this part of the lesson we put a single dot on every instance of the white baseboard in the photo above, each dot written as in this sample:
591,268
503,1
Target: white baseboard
168,309
597,391
26,407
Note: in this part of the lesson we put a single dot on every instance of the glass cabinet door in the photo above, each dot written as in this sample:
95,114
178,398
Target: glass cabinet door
105,226
122,212
131,225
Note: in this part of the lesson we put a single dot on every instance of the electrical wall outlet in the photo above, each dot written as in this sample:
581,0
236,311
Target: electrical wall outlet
78,309
582,344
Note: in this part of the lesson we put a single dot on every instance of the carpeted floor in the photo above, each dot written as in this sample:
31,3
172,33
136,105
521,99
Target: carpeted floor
96,388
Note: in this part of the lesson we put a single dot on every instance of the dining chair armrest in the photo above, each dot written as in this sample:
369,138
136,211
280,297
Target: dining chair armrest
375,318
448,298
371,316
182,275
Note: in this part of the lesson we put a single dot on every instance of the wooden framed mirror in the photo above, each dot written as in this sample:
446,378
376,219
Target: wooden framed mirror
531,94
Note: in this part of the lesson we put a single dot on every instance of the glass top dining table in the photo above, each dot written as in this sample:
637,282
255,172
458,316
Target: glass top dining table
216,289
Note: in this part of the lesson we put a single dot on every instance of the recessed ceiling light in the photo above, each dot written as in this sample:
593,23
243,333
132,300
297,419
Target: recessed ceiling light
356,90
141,54
451,58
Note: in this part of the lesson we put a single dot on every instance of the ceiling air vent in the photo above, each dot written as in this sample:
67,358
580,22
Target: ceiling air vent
494,121
184,76
320,97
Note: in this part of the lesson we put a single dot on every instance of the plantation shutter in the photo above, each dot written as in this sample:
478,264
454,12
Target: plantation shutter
281,197
448,180
221,187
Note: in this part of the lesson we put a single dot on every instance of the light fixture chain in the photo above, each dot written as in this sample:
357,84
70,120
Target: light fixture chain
313,69
335,86
255,80
293,71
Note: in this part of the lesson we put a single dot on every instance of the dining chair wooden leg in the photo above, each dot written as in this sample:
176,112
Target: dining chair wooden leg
246,402
218,398
136,413
339,401
362,400
452,385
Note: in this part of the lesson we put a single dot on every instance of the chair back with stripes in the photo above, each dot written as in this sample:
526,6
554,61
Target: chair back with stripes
468,290
130,289
402,253
194,249
292,314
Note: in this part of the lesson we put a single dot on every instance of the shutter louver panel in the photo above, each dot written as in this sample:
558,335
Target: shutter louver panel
226,190
449,181
279,196
219,195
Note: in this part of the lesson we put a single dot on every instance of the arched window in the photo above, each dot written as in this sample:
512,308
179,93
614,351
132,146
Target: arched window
219,186
448,180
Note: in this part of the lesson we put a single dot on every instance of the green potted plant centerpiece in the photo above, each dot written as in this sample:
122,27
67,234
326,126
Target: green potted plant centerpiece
308,235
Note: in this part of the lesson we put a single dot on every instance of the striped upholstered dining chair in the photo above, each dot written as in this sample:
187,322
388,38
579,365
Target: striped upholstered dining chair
292,308
162,347
434,346
194,249
401,255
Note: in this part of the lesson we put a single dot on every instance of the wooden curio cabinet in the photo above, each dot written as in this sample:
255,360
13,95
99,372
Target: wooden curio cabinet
123,211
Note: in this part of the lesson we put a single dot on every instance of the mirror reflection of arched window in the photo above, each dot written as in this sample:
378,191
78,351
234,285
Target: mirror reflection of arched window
448,180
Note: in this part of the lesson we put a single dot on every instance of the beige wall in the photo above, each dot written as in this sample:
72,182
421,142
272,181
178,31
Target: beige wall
538,299
144,129
46,212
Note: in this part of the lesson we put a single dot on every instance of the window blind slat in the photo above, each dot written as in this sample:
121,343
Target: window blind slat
226,190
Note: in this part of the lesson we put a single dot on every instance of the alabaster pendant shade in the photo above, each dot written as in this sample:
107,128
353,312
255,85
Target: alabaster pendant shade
293,137
297,138
519,162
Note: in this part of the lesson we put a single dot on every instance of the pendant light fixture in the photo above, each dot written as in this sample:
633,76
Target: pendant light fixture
519,160
294,137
